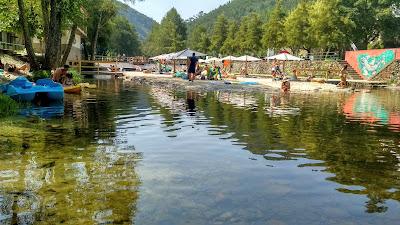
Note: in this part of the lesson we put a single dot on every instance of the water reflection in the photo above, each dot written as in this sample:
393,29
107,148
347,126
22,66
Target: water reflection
71,171
372,109
191,97
205,158
295,128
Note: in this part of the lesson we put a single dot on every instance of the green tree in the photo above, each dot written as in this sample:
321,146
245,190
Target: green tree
8,16
297,28
230,45
252,44
198,39
152,45
374,21
100,13
329,25
173,30
124,39
219,34
274,30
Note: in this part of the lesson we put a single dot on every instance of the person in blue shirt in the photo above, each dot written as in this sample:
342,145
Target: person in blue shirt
193,61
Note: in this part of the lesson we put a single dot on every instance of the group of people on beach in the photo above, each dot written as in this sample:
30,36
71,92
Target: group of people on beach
13,69
207,72
278,75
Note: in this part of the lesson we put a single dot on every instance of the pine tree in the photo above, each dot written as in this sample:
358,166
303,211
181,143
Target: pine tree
152,46
219,34
297,27
273,30
198,39
252,45
230,45
173,30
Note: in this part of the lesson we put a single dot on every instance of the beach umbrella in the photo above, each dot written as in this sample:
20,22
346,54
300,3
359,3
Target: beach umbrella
230,58
213,60
247,58
284,57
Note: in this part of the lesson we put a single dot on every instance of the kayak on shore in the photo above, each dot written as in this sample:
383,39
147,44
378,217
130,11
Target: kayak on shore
73,89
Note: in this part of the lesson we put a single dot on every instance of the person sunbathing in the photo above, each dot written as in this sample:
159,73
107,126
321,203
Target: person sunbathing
11,68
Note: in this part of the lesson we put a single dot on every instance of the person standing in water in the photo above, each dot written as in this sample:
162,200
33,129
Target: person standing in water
192,67
343,77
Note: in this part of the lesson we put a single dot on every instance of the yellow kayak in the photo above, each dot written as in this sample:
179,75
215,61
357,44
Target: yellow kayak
73,90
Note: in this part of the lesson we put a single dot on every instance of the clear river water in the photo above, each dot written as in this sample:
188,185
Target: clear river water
146,155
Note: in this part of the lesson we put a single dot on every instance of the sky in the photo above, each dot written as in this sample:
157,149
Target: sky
157,9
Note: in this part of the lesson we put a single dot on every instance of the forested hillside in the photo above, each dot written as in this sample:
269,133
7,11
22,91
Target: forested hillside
142,23
237,9
303,26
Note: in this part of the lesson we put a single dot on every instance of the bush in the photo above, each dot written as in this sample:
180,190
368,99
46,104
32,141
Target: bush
8,107
76,77
40,74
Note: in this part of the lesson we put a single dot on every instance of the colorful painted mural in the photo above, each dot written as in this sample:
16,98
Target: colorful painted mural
368,108
370,63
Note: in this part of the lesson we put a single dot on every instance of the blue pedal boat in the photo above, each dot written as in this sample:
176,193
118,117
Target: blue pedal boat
53,90
21,89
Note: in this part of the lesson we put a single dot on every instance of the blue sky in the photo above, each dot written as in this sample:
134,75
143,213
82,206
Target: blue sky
156,9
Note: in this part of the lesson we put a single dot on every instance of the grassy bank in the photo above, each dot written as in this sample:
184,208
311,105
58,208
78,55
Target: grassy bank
8,107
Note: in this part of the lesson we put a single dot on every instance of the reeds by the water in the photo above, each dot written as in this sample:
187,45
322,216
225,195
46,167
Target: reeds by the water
8,107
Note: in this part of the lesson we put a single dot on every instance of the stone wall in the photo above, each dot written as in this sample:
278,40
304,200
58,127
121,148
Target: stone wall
390,73
316,68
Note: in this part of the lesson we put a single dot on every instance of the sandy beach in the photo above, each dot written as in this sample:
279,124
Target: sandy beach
262,84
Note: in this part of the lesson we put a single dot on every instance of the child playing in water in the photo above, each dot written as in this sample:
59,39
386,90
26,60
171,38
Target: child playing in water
285,85
68,80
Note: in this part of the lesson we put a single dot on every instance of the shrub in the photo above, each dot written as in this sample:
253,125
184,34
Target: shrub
40,74
8,107
76,77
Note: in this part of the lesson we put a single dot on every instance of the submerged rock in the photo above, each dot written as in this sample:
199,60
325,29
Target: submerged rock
48,165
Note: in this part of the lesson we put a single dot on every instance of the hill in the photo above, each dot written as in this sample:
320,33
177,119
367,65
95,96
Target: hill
142,23
237,9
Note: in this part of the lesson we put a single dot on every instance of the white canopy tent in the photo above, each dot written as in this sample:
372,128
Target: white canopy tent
284,57
184,54
247,58
162,57
181,55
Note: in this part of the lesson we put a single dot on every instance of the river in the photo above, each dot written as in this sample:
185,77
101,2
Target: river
147,155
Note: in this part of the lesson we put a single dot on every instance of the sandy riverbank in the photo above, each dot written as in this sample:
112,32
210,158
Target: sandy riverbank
263,84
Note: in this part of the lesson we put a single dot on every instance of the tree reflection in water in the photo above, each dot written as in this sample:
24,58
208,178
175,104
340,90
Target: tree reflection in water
361,156
71,171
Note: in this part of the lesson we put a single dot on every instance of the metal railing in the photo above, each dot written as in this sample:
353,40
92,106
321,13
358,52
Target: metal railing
133,60
320,56
11,46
